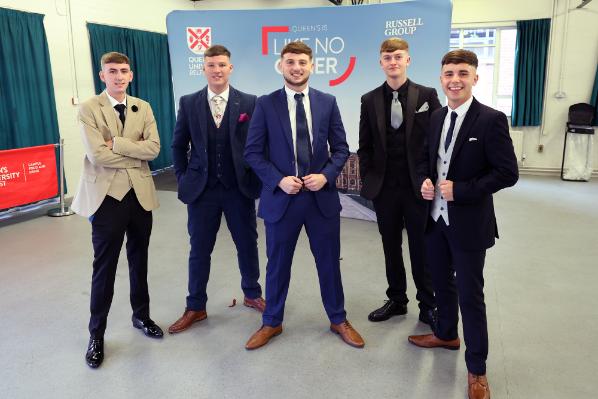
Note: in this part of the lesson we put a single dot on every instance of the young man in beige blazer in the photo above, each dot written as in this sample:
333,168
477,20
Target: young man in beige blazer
117,194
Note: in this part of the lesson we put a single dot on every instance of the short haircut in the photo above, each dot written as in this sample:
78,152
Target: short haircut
460,56
216,50
393,44
296,48
114,58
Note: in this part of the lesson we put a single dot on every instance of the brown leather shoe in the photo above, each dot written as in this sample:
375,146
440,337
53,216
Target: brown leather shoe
258,303
262,336
477,387
185,321
348,334
431,341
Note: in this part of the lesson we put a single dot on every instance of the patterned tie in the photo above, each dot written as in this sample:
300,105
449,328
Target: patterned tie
303,143
121,112
217,110
396,111
449,133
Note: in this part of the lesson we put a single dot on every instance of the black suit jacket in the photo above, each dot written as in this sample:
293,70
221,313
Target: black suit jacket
483,161
372,134
192,127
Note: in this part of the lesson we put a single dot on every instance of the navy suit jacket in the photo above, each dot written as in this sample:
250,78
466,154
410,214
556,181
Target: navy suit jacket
192,127
270,150
483,162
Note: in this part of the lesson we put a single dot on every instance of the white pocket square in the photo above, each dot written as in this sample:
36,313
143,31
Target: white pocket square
473,139
423,108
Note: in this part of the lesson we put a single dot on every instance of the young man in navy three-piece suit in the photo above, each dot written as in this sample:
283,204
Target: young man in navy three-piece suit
213,179
297,146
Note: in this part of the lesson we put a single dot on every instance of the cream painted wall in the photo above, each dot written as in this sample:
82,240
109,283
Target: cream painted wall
73,76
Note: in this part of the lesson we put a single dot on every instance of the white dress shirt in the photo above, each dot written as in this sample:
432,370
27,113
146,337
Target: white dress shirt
292,104
224,96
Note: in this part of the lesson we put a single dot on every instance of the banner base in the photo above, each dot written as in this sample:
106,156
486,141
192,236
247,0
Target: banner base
59,212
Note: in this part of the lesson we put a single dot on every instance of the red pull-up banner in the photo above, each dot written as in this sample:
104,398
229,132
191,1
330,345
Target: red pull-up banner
27,175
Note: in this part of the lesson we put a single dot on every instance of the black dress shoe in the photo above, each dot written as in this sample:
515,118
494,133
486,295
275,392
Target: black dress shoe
429,317
389,309
149,328
95,352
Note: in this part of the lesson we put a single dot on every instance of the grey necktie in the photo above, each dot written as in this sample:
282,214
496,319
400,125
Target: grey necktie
396,111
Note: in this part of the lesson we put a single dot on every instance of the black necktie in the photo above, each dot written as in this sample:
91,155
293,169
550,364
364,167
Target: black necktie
303,143
449,134
121,112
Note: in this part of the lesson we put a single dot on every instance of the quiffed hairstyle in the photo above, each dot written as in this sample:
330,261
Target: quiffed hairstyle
296,48
216,50
114,58
393,44
460,56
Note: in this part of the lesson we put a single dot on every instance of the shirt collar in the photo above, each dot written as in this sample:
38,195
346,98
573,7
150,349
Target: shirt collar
114,101
224,94
463,108
402,90
291,93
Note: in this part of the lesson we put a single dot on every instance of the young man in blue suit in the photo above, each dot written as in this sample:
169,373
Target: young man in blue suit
296,145
470,157
208,143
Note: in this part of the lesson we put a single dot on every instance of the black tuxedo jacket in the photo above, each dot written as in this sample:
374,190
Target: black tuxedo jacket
192,127
372,134
483,161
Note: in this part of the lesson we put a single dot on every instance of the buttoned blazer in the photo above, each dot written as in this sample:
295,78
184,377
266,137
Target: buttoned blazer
270,150
483,162
134,145
372,134
191,164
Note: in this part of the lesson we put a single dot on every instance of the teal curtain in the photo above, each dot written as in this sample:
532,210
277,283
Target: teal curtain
27,104
531,54
594,100
152,82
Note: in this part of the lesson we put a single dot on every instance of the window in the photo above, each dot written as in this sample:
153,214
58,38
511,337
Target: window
495,48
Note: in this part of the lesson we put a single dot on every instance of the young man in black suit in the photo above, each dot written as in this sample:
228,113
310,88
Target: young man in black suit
470,157
392,127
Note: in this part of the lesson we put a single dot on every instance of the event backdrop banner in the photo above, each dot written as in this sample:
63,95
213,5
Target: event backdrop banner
27,175
345,41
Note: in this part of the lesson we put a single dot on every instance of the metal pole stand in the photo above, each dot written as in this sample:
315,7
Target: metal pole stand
63,210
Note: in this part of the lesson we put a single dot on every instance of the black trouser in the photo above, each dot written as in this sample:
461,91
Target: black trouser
397,207
109,224
458,278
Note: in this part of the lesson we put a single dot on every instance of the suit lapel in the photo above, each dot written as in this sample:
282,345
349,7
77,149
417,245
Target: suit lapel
132,118
282,109
412,96
463,134
379,113
315,118
202,115
108,112
234,104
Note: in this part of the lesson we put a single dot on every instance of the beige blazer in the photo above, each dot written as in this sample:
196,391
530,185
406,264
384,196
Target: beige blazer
133,147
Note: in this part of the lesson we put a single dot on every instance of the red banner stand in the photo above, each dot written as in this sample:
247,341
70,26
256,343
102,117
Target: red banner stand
27,175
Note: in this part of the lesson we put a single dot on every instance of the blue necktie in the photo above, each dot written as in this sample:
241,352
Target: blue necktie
449,134
303,142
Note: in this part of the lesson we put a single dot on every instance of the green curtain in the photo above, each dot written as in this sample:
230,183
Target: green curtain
531,54
152,82
27,105
594,100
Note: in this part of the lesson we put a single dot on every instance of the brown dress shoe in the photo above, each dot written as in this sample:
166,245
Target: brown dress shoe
262,336
477,387
431,341
185,321
258,303
348,334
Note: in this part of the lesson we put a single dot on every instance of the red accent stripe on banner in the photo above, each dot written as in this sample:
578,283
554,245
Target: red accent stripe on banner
27,175
345,75
270,29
